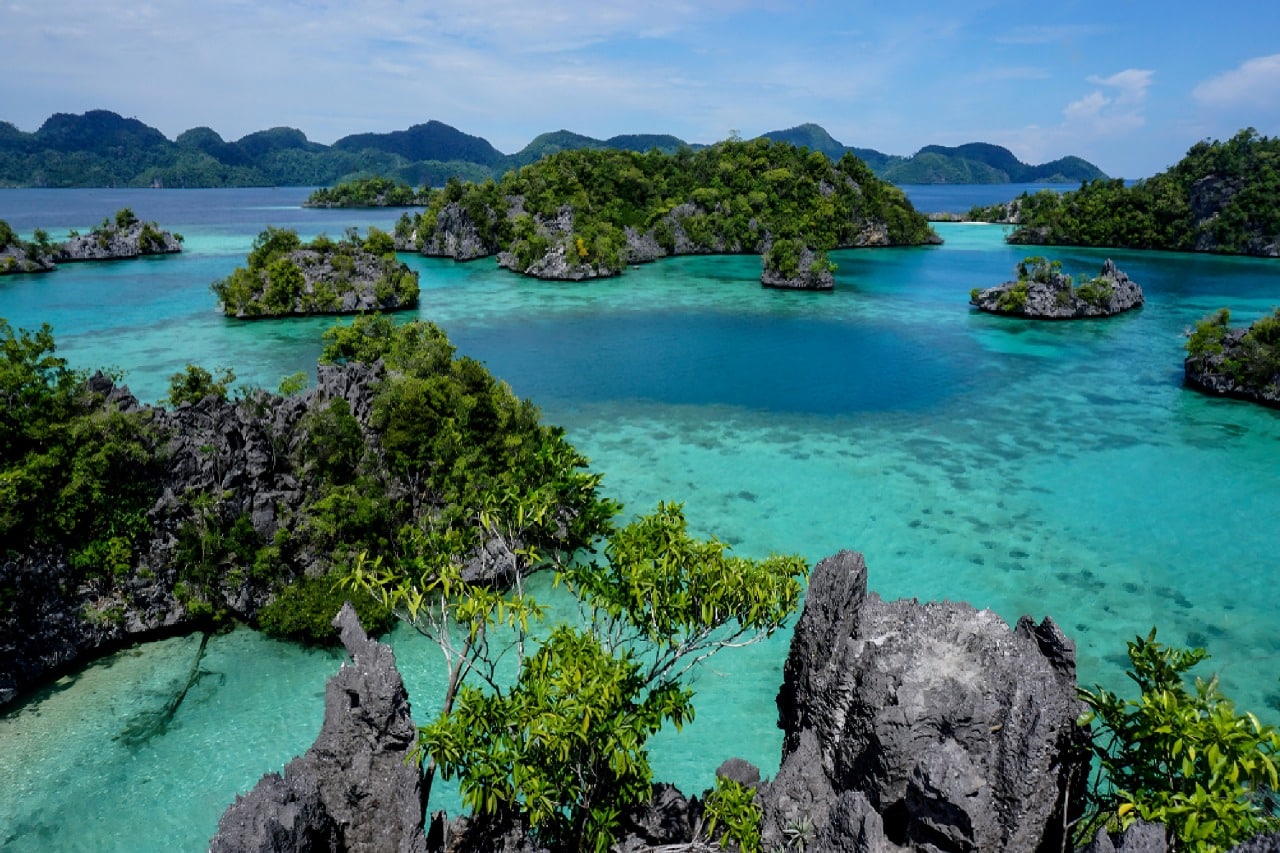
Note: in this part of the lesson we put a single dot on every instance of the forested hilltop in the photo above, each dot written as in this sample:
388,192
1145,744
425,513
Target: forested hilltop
101,148
1222,197
588,213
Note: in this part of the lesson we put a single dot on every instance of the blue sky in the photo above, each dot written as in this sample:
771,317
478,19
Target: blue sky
1128,85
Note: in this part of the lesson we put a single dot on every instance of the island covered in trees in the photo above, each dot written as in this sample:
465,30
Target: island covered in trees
590,213
1222,197
368,192
286,277
1240,362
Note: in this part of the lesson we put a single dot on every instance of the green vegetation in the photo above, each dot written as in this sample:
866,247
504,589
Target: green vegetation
18,255
1250,359
563,748
726,197
76,471
195,383
303,611
285,276
1221,197
1180,757
368,192
731,808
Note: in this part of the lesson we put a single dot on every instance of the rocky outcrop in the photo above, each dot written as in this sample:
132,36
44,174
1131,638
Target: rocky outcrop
1048,294
812,272
350,281
922,726
456,235
566,258
1209,196
24,257
110,242
356,789
1245,364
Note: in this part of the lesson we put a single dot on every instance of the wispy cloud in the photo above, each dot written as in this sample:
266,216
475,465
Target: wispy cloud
1115,111
1047,34
1255,83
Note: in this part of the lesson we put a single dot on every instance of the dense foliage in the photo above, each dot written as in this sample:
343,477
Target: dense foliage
727,197
1249,359
1221,197
1180,757
75,470
285,276
368,192
562,748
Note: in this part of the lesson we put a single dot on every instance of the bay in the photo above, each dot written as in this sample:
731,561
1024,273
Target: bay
1055,469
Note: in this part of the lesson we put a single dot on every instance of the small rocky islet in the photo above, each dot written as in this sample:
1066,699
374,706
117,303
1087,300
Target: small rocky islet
1241,362
119,237
1042,291
285,277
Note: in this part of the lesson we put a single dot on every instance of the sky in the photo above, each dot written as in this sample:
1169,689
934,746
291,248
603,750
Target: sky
1129,85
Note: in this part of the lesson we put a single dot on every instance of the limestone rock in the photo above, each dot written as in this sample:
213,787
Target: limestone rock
110,242
1219,373
1053,296
813,272
354,789
922,726
456,236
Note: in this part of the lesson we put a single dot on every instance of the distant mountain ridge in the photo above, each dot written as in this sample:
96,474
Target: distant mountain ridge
972,163
102,148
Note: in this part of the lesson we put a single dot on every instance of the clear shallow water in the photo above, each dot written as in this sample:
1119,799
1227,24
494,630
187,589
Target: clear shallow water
1047,469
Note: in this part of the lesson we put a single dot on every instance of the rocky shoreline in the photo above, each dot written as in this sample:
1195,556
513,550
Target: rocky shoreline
122,237
1240,363
908,726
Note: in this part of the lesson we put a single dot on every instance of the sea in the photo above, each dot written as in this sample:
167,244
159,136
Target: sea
1050,469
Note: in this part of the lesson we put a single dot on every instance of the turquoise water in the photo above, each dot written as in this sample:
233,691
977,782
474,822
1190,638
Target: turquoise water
1047,469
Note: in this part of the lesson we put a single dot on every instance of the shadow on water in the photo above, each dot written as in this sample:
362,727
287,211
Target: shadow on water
144,725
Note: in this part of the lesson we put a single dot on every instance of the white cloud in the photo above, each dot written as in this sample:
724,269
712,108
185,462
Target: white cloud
1111,114
1255,84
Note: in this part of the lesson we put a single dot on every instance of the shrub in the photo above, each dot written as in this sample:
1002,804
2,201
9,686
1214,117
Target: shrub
732,809
195,383
304,610
1180,757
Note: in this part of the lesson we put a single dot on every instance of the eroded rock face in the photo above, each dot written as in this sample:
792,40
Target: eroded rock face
922,726
806,276
354,789
1056,298
114,243
456,236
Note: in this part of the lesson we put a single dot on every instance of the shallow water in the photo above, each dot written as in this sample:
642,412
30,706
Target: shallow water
1055,469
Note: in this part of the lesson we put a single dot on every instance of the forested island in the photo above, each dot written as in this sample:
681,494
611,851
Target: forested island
1243,363
118,237
286,277
368,192
1222,197
103,149
590,213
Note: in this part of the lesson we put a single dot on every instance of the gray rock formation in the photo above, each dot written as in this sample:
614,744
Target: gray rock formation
813,272
1054,296
109,242
21,257
1241,370
355,789
456,236
922,726
245,452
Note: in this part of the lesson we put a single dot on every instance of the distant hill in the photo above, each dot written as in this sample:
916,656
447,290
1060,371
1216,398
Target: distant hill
974,163
101,148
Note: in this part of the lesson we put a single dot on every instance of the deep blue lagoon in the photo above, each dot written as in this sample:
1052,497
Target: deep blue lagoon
1055,469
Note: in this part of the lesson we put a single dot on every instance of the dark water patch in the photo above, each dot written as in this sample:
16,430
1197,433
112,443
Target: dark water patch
1197,639
978,560
1131,588
774,362
916,524
979,525
1019,554
1082,628
750,497
961,484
